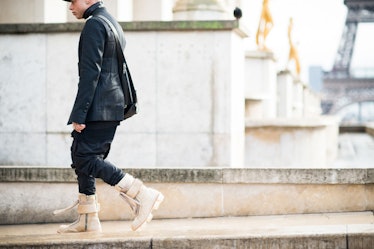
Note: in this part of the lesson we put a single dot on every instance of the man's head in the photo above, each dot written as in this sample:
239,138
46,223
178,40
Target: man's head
78,7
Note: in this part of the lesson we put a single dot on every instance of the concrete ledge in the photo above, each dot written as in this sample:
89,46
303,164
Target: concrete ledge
322,231
127,26
216,242
369,129
291,142
29,195
352,129
290,122
202,175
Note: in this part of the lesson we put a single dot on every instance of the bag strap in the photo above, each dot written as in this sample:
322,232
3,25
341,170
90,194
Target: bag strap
122,66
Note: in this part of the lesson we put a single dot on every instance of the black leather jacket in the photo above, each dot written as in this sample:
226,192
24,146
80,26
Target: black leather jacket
100,96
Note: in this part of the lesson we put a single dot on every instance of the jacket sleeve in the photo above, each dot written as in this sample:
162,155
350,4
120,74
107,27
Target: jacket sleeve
91,49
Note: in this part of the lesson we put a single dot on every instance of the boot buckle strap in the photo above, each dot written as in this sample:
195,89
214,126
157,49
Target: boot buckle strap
82,209
134,204
135,188
88,208
60,211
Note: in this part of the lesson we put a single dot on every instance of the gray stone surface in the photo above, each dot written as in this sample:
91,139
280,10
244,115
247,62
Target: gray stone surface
321,231
189,191
185,94
202,175
129,26
355,150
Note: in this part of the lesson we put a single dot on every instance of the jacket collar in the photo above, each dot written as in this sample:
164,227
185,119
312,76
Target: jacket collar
89,12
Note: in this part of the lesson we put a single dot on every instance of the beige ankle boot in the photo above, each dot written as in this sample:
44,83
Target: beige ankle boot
88,219
142,200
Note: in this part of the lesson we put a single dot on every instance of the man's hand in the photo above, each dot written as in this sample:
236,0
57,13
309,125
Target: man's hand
78,127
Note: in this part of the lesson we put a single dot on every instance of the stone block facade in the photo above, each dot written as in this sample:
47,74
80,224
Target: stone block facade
189,79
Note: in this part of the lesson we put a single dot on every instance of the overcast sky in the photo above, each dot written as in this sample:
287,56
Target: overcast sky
318,26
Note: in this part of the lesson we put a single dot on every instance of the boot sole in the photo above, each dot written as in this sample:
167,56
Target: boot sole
156,205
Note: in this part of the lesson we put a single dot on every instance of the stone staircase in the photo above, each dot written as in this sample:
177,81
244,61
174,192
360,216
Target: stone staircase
203,208
333,230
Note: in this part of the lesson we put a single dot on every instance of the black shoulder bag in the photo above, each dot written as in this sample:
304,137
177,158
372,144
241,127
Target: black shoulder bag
128,89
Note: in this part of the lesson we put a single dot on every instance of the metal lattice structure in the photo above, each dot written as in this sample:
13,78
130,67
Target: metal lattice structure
340,87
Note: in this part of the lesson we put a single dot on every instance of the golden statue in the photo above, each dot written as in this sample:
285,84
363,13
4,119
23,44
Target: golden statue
264,26
293,55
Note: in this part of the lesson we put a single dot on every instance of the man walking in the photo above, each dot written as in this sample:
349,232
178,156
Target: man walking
98,110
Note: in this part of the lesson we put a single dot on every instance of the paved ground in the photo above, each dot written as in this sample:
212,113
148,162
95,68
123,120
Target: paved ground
356,150
332,230
332,224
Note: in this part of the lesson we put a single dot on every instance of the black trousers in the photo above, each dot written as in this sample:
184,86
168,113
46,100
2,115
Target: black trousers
88,152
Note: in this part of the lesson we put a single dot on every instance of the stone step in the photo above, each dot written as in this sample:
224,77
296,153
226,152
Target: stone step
353,230
29,195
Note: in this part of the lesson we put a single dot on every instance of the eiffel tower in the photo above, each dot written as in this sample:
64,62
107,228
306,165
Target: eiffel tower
341,88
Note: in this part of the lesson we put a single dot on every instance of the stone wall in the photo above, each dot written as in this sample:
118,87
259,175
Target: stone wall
191,192
189,78
291,142
369,128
